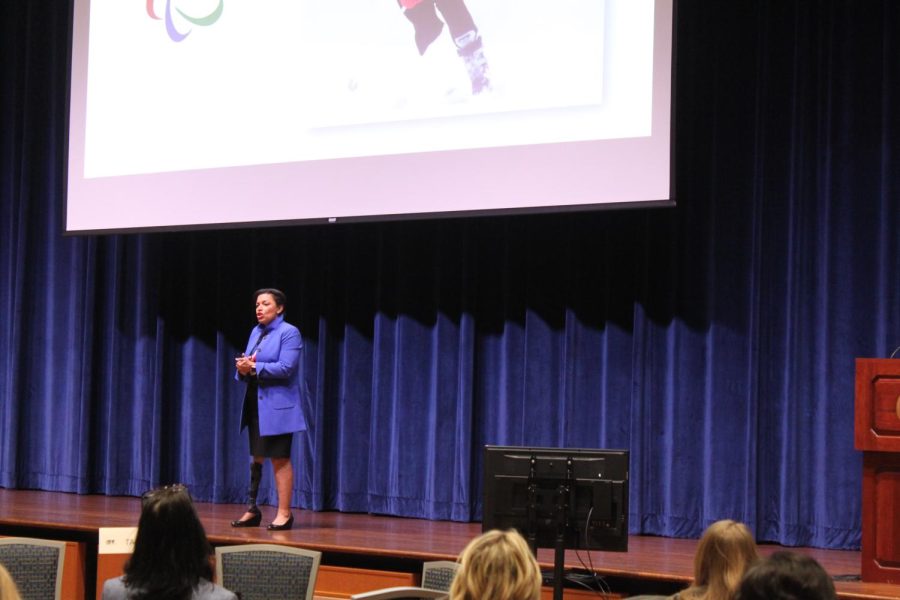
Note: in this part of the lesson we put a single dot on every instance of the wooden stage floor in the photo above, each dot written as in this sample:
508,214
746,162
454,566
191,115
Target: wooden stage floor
652,564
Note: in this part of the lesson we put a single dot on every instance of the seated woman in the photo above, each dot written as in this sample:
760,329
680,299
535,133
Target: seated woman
725,552
171,558
497,565
787,575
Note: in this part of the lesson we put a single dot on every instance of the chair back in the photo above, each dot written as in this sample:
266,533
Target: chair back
266,571
401,593
35,566
439,574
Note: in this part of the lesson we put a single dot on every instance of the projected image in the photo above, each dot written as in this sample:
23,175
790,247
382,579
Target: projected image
193,84
428,27
445,58
179,23
197,112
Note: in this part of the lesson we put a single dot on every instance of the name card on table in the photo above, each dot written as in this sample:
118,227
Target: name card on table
116,540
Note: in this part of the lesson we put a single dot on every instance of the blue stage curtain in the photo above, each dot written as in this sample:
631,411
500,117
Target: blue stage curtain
715,341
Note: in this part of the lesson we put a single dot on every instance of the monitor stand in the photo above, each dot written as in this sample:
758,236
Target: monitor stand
562,510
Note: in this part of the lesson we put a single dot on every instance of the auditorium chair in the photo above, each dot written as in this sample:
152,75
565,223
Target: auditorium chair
266,571
436,579
35,565
439,574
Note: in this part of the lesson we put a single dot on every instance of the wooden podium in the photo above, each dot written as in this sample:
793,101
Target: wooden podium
877,434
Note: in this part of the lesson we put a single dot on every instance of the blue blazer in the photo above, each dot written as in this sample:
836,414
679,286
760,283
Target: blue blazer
279,375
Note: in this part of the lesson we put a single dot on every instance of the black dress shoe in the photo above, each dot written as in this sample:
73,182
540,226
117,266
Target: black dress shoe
284,526
253,521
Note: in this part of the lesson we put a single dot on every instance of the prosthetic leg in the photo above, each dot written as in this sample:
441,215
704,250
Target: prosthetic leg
423,14
469,47
253,492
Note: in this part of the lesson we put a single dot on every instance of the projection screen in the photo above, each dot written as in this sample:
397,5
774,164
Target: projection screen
221,113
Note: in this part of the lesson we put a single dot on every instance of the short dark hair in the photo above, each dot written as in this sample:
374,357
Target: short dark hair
786,575
277,295
171,551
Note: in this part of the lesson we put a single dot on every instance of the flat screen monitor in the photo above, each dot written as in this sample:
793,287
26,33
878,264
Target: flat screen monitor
523,487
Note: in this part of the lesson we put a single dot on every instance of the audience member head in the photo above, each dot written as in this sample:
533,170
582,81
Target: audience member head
171,553
787,576
8,589
724,554
497,565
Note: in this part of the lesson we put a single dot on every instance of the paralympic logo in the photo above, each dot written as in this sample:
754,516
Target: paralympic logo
200,21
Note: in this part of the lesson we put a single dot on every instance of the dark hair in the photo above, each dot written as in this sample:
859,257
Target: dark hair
787,576
171,552
278,295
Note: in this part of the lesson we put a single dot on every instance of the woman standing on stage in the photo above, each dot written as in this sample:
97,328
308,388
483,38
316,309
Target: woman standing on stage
270,368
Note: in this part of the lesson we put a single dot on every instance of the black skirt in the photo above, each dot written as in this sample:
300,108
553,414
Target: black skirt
267,446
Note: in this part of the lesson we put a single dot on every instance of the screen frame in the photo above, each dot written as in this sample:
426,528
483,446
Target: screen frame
549,208
509,466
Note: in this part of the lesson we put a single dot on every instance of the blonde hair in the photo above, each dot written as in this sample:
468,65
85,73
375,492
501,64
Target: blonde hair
8,589
725,552
497,565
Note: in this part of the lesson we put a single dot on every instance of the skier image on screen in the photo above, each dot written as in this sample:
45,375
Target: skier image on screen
423,14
